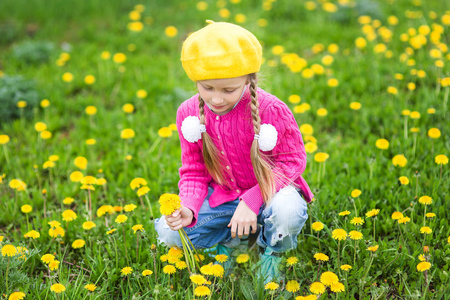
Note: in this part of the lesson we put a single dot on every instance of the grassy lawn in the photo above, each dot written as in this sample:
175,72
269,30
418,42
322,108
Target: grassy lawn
368,83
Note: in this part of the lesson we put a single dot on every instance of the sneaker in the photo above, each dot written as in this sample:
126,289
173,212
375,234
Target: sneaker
268,267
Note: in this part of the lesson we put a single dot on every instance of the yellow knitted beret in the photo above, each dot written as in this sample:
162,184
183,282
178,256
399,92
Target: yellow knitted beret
221,50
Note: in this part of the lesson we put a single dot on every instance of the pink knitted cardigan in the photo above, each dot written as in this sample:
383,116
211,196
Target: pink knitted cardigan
233,135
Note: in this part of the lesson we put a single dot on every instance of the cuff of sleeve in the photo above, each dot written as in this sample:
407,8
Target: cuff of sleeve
253,199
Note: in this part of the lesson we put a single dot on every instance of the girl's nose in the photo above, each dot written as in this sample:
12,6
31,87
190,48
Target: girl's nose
216,100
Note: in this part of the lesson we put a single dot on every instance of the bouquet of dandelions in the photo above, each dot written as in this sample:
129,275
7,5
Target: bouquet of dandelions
168,204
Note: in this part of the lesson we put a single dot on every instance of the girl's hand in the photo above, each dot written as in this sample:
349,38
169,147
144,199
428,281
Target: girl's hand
180,218
243,218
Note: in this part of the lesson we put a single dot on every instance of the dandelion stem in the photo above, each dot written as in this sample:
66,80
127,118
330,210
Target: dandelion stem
318,240
5,150
339,261
6,277
405,129
90,205
125,244
374,228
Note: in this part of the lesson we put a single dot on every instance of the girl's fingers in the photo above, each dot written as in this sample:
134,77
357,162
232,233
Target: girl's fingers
233,230
247,230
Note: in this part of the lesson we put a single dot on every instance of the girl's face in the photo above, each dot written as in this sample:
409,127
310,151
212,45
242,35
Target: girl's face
222,94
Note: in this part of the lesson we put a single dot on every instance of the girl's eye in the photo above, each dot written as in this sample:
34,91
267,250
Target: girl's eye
208,88
229,91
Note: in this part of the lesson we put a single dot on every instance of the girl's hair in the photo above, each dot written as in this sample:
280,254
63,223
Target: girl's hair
261,166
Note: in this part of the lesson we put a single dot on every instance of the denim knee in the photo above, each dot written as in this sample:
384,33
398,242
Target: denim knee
166,235
283,220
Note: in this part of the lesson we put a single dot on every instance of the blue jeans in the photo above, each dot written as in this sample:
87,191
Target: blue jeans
281,223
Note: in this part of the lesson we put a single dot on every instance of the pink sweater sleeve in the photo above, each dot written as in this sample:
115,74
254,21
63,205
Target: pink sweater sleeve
194,178
288,155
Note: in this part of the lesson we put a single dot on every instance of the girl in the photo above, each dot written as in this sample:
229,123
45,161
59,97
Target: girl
241,150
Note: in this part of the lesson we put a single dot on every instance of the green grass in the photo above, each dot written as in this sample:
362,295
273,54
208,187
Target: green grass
348,136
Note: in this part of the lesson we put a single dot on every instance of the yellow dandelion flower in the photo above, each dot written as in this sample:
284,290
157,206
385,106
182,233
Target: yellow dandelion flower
137,227
372,213
292,286
355,193
242,258
321,257
423,266
355,235
346,267
88,225
373,248
337,287
69,215
321,157
306,129
169,269
271,286
344,213
78,244
339,234
321,112
147,272
67,77
328,278
317,288
404,220
57,231
119,58
32,234
54,265
4,139
217,270
180,265
426,230
26,208
404,180
441,159
357,221
397,215
425,200
143,191
355,105
40,126
292,261
129,207
81,163
57,288
165,132
127,134
111,231
125,271
169,203
399,160
47,258
434,133
221,258
9,250
201,291
430,215
171,31
317,226
121,219
90,287
382,144
17,296
137,182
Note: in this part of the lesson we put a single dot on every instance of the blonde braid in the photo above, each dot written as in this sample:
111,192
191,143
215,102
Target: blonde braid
210,157
261,167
